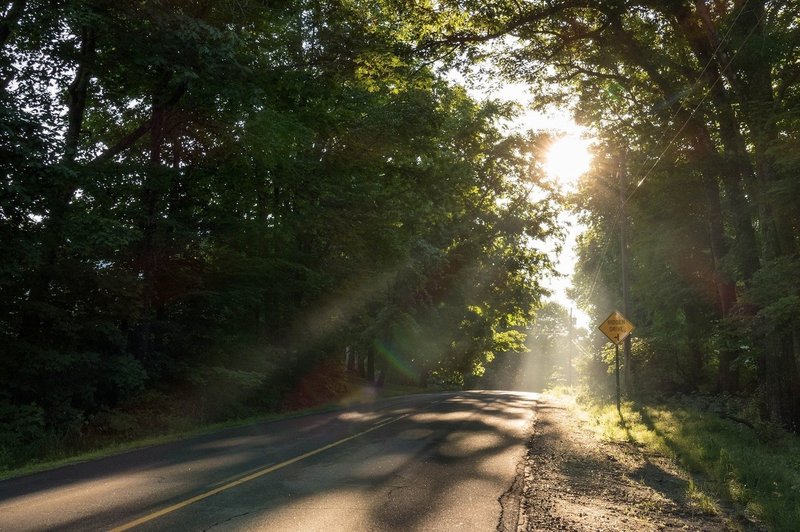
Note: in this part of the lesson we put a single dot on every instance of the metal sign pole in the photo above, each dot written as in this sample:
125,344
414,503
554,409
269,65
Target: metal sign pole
616,359
617,329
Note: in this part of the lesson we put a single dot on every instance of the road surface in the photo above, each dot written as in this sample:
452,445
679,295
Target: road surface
449,461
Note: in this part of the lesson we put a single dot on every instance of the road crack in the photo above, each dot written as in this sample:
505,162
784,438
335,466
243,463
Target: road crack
511,501
228,520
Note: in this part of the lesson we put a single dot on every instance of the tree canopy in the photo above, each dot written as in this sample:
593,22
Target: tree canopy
214,198
695,105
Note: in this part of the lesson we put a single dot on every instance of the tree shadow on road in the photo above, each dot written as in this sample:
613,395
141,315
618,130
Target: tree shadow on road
401,476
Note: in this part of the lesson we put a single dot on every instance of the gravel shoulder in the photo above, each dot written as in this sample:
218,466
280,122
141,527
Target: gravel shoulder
575,481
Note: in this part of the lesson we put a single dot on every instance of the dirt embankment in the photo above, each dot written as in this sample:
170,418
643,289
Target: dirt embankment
576,481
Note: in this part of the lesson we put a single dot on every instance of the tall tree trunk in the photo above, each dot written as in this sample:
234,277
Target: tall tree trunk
727,375
150,196
735,167
371,363
738,177
165,96
779,382
708,159
361,365
779,375
77,94
64,187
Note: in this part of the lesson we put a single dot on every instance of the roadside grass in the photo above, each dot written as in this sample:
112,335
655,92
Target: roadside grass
755,469
161,420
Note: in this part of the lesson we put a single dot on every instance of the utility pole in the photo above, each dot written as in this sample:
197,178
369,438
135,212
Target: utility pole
623,258
569,350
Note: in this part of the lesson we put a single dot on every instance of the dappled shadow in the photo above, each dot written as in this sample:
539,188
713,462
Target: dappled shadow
463,460
418,475
238,442
394,476
584,481
742,521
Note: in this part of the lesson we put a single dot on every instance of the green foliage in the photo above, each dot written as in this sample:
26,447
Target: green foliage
125,376
761,478
208,202
219,389
19,426
692,107
775,292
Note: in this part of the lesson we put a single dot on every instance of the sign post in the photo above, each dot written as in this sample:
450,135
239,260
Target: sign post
616,327
616,363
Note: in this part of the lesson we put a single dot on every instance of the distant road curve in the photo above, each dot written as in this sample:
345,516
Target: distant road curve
445,461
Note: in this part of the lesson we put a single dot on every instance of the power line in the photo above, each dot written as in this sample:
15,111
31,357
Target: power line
705,96
710,61
647,174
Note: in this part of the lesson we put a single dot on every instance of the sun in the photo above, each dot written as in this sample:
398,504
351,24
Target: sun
567,159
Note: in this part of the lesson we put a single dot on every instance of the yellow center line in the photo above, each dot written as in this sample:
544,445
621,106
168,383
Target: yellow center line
247,478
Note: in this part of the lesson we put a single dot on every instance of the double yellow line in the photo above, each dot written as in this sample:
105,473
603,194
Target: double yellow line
247,478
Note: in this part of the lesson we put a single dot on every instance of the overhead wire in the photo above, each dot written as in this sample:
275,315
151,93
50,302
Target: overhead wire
694,85
697,107
628,196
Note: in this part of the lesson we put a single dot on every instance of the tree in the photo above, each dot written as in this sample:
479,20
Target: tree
210,200
696,91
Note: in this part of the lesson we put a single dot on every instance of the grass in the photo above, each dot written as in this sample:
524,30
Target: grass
756,470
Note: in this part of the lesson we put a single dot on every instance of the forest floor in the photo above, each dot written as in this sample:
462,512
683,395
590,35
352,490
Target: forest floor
576,481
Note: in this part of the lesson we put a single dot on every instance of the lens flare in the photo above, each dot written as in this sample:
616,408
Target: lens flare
567,159
395,361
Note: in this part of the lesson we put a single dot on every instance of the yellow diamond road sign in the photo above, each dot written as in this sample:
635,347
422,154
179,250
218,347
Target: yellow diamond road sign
616,327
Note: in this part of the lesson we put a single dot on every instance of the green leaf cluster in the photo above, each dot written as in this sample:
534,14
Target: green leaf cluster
212,199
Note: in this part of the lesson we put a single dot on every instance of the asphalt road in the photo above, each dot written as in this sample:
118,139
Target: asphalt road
426,462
